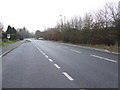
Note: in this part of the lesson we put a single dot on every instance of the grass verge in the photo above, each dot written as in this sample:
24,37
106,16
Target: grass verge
27,41
103,47
8,42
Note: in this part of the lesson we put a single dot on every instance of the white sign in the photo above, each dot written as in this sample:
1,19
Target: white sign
8,36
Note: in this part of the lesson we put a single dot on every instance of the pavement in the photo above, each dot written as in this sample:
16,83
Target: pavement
46,64
10,46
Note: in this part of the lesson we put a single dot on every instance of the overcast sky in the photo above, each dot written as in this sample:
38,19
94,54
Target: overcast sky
38,14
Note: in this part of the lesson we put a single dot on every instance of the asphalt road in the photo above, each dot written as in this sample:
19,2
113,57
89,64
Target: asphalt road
46,64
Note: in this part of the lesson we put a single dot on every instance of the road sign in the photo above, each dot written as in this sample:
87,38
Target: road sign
8,36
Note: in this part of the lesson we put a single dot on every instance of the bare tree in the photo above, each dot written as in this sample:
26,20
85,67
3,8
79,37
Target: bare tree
1,26
88,21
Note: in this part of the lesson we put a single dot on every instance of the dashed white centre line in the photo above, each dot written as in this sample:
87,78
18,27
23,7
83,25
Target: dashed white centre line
37,47
43,53
46,56
68,76
50,60
104,58
57,66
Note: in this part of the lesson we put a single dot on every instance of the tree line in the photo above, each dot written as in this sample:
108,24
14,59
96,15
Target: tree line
15,34
102,28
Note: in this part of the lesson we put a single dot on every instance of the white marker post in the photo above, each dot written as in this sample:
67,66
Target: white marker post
8,36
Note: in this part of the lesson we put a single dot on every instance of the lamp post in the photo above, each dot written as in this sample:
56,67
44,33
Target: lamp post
63,20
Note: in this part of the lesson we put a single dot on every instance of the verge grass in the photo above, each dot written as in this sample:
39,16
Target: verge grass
103,47
8,42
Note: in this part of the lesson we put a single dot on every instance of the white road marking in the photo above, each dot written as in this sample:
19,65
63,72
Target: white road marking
92,48
46,56
44,53
75,50
0,56
57,66
65,47
68,76
106,51
104,58
41,51
38,48
50,60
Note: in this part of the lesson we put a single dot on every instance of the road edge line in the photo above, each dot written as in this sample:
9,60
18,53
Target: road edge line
96,49
5,53
85,47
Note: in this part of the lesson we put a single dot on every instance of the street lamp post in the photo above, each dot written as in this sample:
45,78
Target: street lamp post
63,20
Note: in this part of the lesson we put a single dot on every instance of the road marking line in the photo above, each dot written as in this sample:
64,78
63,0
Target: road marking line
57,66
37,47
9,50
44,53
75,50
65,47
46,56
91,48
104,58
68,76
0,56
50,60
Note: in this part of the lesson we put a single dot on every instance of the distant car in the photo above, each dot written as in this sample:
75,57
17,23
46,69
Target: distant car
40,38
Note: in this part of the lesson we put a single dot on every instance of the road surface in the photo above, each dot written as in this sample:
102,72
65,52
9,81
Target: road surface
47,64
